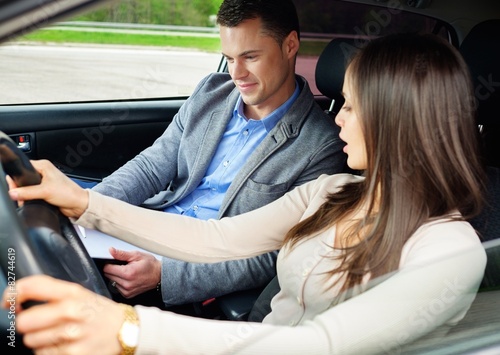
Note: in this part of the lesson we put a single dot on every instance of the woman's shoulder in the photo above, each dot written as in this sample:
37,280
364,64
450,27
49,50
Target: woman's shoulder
443,238
449,227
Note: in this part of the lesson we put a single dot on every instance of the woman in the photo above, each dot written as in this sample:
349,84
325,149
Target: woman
367,263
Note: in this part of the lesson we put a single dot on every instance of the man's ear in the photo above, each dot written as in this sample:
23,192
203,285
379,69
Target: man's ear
291,44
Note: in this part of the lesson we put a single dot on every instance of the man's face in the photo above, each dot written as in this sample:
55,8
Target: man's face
262,70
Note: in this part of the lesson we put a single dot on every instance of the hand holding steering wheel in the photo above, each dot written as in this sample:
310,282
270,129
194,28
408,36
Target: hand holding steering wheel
41,238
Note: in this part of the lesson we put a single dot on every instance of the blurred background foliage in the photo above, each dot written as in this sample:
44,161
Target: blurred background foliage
160,12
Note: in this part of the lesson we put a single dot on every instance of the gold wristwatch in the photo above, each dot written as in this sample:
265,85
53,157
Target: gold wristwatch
128,336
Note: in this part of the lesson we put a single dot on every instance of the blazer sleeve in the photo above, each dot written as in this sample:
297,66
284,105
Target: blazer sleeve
147,173
184,282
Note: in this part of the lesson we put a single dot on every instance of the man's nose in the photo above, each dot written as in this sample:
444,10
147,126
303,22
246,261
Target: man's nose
238,70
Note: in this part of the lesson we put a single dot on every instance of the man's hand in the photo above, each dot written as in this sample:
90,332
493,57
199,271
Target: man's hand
141,273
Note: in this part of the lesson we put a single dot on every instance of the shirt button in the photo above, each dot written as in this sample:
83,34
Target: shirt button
292,323
299,300
226,163
245,132
214,189
306,272
195,208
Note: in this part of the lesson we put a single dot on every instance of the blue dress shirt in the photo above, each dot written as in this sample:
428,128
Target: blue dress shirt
241,138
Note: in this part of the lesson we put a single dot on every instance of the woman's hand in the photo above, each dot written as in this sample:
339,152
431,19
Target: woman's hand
73,320
55,188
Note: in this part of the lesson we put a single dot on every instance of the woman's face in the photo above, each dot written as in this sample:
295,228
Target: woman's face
351,132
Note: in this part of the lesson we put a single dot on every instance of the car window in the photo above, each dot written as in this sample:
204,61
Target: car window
129,50
156,49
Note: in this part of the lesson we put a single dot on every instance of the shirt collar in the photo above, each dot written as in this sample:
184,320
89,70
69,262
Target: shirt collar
273,118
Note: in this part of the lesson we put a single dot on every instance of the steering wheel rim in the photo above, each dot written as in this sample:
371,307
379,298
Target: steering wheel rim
37,237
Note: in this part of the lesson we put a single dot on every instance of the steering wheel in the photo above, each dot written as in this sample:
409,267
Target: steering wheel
37,238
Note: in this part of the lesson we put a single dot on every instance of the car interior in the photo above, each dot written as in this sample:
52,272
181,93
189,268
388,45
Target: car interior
475,47
83,149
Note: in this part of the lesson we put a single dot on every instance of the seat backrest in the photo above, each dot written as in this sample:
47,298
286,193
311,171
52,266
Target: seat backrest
488,222
329,75
481,50
488,226
330,69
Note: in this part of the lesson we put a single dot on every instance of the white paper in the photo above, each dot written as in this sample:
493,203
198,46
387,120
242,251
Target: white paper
98,243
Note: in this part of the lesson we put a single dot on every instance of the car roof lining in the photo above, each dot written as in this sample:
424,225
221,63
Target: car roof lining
462,15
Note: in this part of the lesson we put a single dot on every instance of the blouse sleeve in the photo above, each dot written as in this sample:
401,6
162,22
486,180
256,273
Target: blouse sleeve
194,240
415,300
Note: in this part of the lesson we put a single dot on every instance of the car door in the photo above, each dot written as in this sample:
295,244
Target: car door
87,140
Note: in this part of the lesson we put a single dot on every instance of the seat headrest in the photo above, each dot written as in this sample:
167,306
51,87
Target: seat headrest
481,50
330,68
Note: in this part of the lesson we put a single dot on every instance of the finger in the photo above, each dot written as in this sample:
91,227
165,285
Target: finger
10,182
117,272
44,288
44,168
120,289
25,193
54,336
12,185
50,315
30,288
122,255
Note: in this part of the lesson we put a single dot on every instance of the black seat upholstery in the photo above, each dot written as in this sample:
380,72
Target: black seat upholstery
253,304
481,51
488,226
330,70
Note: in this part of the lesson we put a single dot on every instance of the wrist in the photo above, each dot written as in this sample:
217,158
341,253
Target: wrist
85,200
158,283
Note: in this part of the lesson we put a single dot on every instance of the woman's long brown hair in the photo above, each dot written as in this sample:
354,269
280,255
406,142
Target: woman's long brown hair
414,98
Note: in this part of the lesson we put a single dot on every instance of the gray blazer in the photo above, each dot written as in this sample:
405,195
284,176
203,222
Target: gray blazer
303,145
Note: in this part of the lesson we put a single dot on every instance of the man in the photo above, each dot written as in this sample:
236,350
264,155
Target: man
239,142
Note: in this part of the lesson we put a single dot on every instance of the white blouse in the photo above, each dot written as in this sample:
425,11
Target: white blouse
440,269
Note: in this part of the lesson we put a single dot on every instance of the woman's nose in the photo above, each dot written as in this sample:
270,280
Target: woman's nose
339,121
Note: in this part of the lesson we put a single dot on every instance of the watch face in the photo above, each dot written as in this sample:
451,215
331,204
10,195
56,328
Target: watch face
130,334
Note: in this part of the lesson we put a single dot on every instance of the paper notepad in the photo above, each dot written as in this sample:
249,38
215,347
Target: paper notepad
98,243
